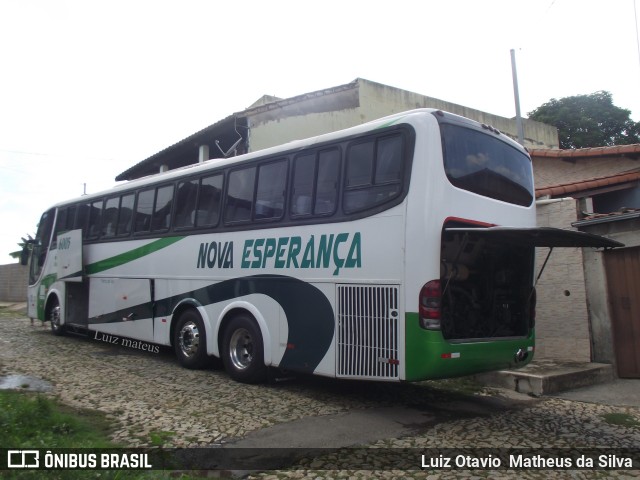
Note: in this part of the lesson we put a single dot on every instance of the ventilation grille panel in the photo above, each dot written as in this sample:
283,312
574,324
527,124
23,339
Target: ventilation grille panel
367,332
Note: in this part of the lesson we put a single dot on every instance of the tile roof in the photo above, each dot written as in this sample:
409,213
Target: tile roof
589,184
622,211
622,214
616,150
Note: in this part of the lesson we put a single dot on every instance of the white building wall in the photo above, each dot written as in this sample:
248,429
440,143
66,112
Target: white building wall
361,102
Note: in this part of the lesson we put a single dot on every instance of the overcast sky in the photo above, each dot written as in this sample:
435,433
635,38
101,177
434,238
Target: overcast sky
90,88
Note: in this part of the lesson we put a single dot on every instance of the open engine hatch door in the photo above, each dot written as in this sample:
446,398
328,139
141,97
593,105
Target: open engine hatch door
538,237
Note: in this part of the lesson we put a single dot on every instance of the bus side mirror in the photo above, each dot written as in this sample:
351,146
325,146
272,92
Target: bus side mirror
24,256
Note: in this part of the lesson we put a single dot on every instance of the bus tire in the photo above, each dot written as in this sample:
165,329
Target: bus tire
190,340
243,350
53,314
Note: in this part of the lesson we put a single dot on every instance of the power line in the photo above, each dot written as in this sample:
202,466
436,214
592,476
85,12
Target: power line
551,6
635,17
12,169
21,152
62,155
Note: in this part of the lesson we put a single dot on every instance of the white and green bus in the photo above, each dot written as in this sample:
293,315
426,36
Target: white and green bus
401,249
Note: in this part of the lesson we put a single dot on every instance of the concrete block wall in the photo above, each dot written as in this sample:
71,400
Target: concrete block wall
364,101
13,283
378,100
562,320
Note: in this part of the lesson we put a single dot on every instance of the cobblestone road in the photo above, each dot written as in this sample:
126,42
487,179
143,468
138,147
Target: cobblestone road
150,399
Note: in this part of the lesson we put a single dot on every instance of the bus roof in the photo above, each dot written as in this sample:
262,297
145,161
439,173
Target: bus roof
401,117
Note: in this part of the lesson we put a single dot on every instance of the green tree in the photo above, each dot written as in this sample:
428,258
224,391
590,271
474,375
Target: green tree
588,121
25,243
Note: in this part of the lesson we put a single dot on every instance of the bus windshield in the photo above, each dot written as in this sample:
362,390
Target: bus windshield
41,246
483,164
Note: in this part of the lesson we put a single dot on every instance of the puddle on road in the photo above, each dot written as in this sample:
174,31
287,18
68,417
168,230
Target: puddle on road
24,382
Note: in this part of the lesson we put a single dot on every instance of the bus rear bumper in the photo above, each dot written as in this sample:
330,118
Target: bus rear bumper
429,356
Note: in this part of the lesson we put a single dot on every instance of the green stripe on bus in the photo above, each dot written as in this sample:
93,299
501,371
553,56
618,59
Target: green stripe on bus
391,122
430,356
45,284
131,255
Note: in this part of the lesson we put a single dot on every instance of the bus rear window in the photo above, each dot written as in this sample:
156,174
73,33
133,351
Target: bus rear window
482,164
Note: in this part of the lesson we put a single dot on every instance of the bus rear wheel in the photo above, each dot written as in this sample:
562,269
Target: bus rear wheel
54,316
190,342
243,350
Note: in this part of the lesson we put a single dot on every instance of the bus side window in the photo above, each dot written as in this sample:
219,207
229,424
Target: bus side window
162,212
64,223
327,182
315,183
95,215
126,214
208,212
61,223
61,220
82,218
186,204
272,182
304,167
389,160
144,209
71,215
239,201
110,217
374,173
358,177
360,164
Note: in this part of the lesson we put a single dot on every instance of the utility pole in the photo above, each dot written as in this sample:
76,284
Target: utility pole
516,95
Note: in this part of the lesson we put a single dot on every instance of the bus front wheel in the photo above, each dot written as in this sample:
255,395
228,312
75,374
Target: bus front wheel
54,316
190,341
243,350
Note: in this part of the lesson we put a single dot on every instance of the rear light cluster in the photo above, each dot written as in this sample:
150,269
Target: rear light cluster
430,305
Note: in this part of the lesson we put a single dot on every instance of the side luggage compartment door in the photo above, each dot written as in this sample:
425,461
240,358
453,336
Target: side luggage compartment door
69,256
122,307
69,269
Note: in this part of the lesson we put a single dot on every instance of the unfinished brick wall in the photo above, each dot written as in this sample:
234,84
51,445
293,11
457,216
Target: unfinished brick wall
562,321
13,283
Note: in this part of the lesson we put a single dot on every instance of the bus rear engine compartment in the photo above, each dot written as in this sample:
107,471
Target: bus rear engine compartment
484,290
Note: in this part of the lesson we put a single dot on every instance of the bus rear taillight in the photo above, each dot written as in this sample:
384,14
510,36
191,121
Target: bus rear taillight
429,306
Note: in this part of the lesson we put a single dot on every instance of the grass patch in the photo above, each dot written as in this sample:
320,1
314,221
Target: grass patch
7,312
621,419
35,421
159,438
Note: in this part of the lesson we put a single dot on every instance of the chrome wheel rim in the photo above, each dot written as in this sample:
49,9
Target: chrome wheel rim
189,339
241,349
55,317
